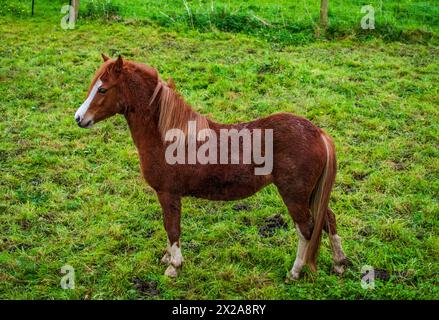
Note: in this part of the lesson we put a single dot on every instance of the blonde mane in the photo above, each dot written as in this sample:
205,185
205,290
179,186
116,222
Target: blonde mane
175,113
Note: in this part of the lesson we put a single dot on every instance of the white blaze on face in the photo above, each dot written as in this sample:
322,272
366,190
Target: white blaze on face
80,113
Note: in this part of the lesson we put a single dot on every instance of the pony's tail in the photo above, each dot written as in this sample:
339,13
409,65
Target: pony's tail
320,201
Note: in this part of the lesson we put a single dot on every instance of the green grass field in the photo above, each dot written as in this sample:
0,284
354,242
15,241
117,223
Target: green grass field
74,196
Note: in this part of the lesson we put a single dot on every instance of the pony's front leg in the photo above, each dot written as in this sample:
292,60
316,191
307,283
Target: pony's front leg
171,206
166,259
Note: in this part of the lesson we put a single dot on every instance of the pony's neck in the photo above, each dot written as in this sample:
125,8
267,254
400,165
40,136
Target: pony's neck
175,113
140,117
157,108
143,131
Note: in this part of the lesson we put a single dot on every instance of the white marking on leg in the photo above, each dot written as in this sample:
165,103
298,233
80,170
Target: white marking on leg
171,271
167,257
300,256
84,107
337,252
176,257
176,260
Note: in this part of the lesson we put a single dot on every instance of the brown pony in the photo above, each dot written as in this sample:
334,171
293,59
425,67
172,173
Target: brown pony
303,170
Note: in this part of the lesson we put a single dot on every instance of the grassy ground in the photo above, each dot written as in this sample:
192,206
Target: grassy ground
73,196
285,22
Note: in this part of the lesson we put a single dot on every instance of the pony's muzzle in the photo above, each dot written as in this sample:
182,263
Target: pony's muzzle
82,124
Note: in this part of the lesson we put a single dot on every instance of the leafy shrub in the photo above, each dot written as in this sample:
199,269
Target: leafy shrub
14,8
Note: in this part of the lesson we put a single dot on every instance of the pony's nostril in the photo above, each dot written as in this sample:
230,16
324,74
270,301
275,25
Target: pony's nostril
78,119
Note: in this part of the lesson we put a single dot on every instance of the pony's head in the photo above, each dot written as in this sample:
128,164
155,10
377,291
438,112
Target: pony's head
103,94
107,94
125,87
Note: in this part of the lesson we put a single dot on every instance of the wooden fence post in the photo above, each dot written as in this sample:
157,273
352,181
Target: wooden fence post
75,4
324,14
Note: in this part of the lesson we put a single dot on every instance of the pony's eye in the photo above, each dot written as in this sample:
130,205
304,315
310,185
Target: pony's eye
102,90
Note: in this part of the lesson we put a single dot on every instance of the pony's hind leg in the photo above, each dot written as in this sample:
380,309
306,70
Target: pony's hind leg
300,256
302,218
338,256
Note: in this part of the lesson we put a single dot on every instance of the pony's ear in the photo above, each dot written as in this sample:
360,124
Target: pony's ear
171,83
104,57
118,65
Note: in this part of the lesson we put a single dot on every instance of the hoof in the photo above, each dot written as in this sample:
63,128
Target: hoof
171,272
346,262
292,276
340,267
166,259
